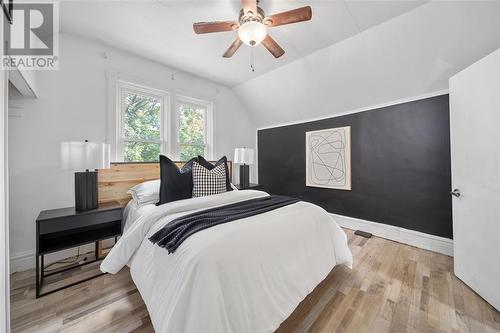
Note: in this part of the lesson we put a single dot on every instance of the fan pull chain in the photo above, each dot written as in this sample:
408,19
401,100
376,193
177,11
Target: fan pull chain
252,65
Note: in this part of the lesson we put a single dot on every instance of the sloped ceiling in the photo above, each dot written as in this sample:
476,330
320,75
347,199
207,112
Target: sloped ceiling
409,55
162,30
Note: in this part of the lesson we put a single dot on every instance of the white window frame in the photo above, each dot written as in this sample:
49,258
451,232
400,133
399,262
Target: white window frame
208,106
163,96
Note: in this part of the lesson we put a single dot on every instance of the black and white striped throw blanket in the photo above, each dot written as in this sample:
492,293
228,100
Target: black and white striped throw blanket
177,231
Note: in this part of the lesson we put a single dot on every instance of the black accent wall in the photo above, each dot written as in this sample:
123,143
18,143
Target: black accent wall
400,162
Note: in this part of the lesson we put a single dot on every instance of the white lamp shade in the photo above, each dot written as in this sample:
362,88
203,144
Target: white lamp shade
81,156
243,155
252,33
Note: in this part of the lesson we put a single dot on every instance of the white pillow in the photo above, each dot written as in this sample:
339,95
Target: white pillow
146,193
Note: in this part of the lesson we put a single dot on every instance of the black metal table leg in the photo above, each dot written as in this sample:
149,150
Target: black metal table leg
37,273
37,264
42,265
40,283
65,228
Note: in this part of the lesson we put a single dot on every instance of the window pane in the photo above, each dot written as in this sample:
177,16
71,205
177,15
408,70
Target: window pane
141,152
141,116
187,152
191,124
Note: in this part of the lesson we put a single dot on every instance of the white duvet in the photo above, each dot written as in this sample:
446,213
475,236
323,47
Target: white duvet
243,276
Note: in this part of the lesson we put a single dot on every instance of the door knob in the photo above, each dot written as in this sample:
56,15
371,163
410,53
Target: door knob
455,192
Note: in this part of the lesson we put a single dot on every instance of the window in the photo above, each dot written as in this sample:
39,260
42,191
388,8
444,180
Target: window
193,128
141,120
144,129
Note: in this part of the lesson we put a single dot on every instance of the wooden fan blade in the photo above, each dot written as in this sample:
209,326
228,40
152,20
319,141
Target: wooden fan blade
249,5
208,27
235,46
291,16
273,47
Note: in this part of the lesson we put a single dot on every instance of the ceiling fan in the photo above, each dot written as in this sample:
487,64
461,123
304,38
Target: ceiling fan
252,26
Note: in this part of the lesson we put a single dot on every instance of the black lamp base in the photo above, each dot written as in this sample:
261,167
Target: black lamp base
244,175
86,190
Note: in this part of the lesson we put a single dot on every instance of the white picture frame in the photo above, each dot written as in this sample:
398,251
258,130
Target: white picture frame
328,158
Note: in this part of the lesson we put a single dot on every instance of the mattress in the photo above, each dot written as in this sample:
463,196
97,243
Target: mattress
247,275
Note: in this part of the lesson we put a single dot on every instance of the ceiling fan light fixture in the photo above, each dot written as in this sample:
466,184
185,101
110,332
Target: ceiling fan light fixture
252,26
252,33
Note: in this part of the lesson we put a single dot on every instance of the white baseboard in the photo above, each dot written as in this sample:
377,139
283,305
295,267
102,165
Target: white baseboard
401,235
22,261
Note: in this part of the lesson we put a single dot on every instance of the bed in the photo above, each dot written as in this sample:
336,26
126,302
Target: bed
247,275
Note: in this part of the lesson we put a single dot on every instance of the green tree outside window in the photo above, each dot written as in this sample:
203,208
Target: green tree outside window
191,131
142,126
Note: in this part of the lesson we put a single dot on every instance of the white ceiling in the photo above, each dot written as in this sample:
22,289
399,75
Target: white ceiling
412,55
162,31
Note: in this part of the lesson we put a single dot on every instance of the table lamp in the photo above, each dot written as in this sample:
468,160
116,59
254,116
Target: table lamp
244,157
85,158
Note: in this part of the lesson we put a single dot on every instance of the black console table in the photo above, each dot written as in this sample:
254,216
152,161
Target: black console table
63,228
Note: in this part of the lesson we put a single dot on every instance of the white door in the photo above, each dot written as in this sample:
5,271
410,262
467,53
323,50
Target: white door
475,166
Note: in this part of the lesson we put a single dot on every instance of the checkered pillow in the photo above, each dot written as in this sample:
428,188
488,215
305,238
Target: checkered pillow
208,182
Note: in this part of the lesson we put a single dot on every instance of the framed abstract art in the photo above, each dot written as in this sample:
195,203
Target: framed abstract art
328,158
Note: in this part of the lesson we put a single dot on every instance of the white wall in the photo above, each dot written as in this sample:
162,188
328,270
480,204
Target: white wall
4,217
410,55
72,105
4,210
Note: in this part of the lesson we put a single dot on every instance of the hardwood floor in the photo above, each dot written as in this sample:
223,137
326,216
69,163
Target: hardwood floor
391,288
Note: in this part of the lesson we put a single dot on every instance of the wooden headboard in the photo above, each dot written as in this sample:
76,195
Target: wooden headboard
114,183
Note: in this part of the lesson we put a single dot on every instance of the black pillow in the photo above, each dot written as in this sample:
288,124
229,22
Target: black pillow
175,184
202,161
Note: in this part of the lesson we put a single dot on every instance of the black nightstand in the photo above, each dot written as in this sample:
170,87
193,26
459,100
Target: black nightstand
250,187
63,228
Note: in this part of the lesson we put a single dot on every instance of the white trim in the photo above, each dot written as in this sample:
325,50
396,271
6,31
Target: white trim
22,261
114,77
366,108
4,200
402,235
164,96
363,109
25,260
17,78
398,234
209,112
